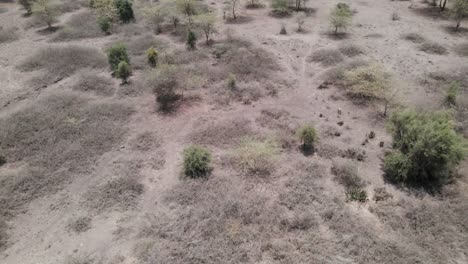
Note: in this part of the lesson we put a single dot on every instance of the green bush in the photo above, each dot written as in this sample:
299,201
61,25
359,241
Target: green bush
123,71
231,81
426,148
152,56
196,161
124,10
191,39
308,137
452,93
116,54
27,5
358,195
105,24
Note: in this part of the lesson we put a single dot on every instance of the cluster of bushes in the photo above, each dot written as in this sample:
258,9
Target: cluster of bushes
119,61
110,11
426,148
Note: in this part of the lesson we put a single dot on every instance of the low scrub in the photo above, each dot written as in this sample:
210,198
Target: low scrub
90,82
426,148
366,82
462,49
433,48
257,156
327,57
414,37
8,35
346,173
79,26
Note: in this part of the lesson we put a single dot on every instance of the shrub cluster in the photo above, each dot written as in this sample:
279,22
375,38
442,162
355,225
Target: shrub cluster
119,61
426,148
308,137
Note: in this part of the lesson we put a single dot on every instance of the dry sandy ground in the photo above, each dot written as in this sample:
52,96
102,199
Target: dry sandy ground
410,227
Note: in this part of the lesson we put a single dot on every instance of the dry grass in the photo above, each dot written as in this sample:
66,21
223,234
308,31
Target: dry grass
79,26
326,57
414,37
79,225
346,173
221,133
366,82
8,35
433,48
90,82
462,49
62,131
146,141
117,194
58,62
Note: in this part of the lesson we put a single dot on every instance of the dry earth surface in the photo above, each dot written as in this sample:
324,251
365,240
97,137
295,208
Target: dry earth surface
93,172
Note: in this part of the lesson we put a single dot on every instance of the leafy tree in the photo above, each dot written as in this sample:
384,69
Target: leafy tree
426,147
105,9
27,5
116,54
308,137
124,10
152,55
341,17
123,71
165,82
206,22
191,39
46,11
196,161
459,12
300,20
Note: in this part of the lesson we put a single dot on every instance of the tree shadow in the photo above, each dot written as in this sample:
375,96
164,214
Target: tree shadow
238,20
337,36
462,31
48,30
432,12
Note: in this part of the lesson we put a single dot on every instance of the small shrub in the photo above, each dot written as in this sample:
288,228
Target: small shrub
414,37
191,39
433,48
196,161
3,160
255,157
231,81
80,25
461,50
283,29
82,224
308,137
152,56
426,148
116,54
123,71
124,10
300,20
367,82
27,5
357,195
452,93
280,8
395,16
459,12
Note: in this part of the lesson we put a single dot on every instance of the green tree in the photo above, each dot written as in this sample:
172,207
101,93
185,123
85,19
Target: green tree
196,161
341,17
123,71
452,93
186,7
459,12
105,24
46,11
152,56
124,10
116,54
191,39
426,147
